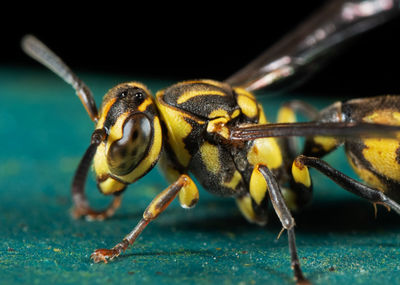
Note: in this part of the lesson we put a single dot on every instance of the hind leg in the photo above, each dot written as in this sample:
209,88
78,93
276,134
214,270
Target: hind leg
371,194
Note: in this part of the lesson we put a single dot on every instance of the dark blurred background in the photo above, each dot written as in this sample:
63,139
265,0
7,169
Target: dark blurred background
195,40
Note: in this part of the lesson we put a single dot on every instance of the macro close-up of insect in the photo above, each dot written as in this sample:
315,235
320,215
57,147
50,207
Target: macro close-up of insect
260,181
217,133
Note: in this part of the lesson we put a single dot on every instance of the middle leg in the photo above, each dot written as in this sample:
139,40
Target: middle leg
263,181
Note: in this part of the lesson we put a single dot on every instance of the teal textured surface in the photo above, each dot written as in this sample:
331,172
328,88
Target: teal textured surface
44,131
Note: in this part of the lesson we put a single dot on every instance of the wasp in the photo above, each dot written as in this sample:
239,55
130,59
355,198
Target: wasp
219,134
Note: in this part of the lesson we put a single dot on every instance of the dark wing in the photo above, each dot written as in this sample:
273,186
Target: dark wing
291,60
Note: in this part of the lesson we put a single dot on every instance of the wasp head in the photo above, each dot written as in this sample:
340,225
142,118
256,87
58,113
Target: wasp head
133,137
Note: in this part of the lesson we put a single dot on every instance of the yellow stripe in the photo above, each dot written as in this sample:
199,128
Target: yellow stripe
178,128
237,177
142,107
194,93
210,157
104,112
117,130
247,105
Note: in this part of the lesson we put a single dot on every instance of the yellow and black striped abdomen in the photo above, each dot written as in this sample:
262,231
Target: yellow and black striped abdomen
377,160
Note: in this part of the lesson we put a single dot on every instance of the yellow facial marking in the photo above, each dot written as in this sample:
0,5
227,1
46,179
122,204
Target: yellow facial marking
265,151
248,106
210,156
258,186
237,177
145,104
117,130
194,93
300,173
327,143
286,115
188,195
110,186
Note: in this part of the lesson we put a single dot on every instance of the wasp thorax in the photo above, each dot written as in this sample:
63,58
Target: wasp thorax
126,153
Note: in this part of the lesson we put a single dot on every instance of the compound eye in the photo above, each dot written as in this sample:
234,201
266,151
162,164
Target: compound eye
127,152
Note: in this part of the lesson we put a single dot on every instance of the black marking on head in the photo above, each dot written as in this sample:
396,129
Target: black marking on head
128,100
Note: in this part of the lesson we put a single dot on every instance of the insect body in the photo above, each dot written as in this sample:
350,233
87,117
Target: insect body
375,160
208,129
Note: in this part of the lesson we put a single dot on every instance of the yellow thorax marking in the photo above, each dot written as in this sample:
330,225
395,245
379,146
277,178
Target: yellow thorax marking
261,117
219,126
237,177
218,113
194,93
178,128
248,105
210,157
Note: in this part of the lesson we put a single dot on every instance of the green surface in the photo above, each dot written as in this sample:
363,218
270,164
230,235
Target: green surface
44,131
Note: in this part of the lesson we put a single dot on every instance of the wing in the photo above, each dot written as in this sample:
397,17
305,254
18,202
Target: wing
291,60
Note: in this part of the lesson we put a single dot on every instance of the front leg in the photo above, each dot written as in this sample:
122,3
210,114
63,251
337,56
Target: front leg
184,184
81,204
